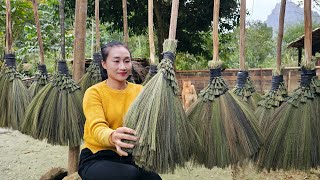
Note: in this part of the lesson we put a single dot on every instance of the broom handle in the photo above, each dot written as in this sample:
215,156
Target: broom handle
36,18
125,22
150,28
8,28
216,8
97,25
280,33
173,20
62,30
242,33
308,31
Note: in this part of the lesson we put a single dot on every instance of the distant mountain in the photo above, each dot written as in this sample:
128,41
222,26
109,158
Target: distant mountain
294,15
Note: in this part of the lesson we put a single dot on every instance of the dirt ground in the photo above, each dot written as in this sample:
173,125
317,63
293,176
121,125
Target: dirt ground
24,158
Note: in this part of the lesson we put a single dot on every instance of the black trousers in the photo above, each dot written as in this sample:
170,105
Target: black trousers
108,165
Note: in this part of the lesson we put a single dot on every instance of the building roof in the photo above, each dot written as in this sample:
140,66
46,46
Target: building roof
299,43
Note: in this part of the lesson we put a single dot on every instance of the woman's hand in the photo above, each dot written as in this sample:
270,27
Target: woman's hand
123,133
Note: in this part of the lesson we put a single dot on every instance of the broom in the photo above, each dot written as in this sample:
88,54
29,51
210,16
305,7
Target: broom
225,125
13,94
157,115
153,67
244,87
41,76
278,93
292,139
93,75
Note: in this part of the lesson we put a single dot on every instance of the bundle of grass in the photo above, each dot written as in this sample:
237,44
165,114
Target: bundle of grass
92,75
292,140
157,115
13,95
55,113
40,80
271,101
246,90
226,126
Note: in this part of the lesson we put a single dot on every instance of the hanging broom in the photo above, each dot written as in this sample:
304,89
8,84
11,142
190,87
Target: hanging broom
278,93
165,135
293,137
244,87
41,76
225,125
93,75
13,94
153,67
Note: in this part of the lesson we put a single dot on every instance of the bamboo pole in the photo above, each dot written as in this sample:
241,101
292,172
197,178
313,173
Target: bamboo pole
173,19
280,34
242,34
36,18
97,26
125,22
62,30
78,68
8,28
151,34
308,31
216,8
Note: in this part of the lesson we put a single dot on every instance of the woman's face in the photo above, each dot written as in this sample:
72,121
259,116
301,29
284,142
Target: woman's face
118,63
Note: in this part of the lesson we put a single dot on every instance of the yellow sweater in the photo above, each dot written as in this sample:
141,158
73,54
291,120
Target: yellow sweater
104,109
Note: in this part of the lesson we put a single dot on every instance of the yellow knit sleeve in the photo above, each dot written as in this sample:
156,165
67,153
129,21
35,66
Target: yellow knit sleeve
96,122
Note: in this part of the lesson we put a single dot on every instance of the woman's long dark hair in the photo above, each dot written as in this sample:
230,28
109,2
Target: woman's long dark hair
105,53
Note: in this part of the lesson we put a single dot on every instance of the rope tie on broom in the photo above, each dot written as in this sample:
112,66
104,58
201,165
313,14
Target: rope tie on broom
306,77
214,73
276,80
153,69
169,55
42,68
97,58
63,68
10,60
242,78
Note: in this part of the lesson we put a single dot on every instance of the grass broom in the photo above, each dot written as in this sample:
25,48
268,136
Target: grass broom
278,93
153,67
292,139
157,115
225,125
13,94
41,76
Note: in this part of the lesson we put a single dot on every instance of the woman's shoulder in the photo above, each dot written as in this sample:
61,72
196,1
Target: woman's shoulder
136,87
95,88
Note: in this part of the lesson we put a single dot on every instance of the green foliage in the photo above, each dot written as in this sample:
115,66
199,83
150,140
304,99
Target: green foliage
186,61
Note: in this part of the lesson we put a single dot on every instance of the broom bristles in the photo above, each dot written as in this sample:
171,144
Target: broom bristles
91,77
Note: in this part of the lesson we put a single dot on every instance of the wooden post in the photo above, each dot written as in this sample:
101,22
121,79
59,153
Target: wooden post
125,22
242,34
97,26
8,28
215,35
308,31
173,19
36,18
151,35
78,67
280,34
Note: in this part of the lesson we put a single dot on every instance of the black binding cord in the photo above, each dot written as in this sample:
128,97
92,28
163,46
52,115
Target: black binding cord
242,78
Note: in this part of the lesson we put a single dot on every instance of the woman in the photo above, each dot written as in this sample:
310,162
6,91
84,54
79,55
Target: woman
104,106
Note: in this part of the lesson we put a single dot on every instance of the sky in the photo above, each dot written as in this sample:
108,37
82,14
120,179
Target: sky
260,9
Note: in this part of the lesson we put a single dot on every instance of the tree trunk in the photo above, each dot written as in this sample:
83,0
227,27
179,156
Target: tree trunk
78,67
62,30
36,18
8,28
160,25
